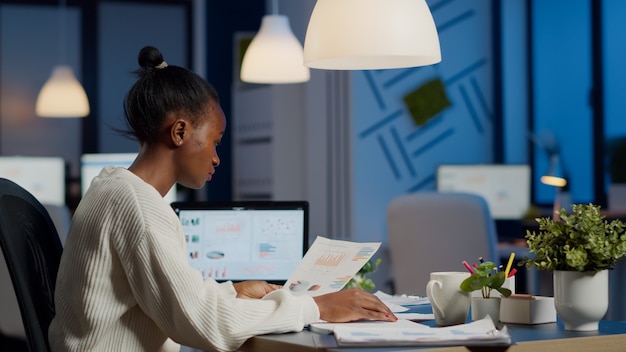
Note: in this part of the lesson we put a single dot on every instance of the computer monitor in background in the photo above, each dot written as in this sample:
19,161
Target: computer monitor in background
506,188
92,164
43,177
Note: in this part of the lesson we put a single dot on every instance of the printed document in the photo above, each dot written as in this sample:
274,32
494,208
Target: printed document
328,265
480,332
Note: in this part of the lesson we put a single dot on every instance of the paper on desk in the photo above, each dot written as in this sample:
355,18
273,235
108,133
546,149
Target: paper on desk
399,305
328,265
401,300
415,316
480,332
328,328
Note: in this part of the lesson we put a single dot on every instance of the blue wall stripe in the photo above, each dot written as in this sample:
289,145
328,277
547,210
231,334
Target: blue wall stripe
388,156
471,109
380,124
440,4
438,139
375,91
471,68
399,77
456,20
405,155
481,98
423,184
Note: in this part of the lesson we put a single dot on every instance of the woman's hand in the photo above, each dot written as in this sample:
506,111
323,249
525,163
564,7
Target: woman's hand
254,289
352,304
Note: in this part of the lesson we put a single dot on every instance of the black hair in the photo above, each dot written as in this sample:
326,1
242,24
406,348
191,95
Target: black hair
162,89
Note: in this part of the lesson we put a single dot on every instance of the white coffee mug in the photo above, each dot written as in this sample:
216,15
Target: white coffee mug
450,304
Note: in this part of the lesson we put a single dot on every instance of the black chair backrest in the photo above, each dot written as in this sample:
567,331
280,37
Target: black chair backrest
32,250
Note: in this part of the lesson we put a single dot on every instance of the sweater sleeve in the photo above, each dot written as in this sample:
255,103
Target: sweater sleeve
203,313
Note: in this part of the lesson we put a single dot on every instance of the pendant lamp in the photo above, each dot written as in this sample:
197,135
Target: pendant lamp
62,95
371,34
275,55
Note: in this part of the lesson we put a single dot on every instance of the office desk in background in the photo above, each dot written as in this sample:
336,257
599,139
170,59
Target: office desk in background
511,239
526,338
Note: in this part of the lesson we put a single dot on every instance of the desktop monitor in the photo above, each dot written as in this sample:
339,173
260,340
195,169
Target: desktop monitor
92,164
505,188
43,177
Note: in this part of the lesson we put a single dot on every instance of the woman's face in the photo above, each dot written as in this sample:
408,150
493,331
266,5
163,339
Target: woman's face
198,153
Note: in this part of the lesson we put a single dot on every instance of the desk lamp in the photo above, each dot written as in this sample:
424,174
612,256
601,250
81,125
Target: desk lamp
555,177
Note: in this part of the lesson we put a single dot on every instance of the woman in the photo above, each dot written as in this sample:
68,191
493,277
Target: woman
125,283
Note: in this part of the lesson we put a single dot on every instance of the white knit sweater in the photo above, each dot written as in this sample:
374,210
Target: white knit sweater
125,283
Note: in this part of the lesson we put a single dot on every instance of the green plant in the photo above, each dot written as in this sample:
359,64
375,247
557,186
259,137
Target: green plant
361,280
486,279
579,241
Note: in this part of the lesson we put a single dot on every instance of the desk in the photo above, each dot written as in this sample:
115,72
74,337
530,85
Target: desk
544,337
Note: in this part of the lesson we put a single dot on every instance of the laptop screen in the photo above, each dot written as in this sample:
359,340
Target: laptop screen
245,240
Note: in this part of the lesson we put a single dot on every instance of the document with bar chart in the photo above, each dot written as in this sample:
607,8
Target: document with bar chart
328,265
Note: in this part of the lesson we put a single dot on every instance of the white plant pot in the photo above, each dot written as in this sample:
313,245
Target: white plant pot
581,299
482,307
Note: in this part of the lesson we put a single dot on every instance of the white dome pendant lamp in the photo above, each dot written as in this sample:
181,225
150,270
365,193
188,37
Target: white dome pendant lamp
371,34
275,55
62,95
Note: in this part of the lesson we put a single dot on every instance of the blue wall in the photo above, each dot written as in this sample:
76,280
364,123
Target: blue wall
393,155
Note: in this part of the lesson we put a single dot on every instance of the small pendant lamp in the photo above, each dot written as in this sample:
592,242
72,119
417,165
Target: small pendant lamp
62,95
275,55
371,34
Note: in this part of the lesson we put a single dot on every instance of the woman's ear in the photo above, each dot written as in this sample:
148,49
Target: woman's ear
177,132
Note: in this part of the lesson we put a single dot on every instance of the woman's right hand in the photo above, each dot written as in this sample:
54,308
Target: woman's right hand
352,304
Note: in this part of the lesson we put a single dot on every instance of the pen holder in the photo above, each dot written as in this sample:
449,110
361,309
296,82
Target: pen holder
510,284
526,309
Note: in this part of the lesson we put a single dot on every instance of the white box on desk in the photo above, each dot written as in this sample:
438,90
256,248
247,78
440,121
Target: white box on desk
533,310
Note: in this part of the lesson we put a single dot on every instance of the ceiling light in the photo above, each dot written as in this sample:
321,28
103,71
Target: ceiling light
371,34
275,55
62,95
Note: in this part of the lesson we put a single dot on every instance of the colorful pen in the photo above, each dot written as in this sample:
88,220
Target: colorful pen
468,267
512,273
508,266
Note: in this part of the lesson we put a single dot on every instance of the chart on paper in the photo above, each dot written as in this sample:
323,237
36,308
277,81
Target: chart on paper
328,265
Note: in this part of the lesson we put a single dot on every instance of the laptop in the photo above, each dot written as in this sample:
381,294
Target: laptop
245,240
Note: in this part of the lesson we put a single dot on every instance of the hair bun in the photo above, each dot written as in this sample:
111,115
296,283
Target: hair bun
150,58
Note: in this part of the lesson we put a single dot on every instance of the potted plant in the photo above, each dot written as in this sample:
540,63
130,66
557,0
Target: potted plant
616,167
361,280
486,279
579,248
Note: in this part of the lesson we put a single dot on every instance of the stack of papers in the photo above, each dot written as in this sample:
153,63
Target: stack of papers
400,304
407,333
401,300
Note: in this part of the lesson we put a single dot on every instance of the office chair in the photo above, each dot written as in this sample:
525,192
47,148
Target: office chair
32,251
432,231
